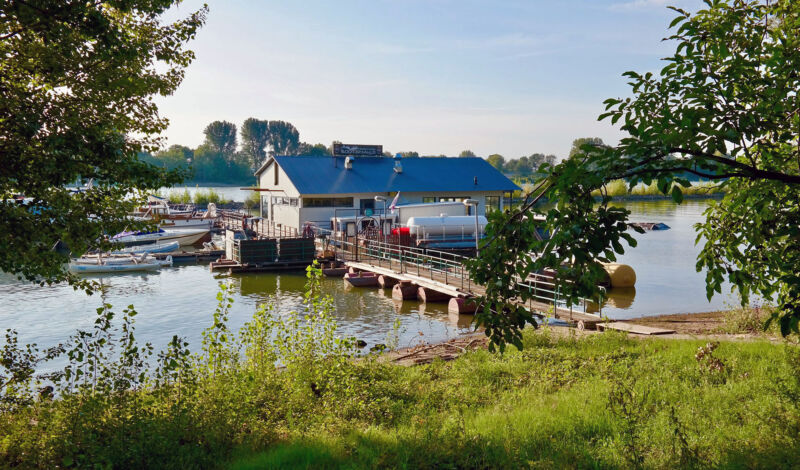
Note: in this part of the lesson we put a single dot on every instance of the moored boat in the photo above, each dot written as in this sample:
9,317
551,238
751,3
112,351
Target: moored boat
362,279
183,237
166,247
116,265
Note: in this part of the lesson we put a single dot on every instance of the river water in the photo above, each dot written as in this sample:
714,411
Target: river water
181,299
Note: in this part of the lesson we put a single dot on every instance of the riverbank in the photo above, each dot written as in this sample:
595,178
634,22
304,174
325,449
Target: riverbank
565,400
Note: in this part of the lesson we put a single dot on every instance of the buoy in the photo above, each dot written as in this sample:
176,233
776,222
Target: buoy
461,306
430,295
404,290
386,282
620,275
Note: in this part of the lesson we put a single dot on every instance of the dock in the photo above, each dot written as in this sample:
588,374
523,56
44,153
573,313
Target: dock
445,273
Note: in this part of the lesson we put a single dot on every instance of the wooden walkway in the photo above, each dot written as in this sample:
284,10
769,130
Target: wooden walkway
457,286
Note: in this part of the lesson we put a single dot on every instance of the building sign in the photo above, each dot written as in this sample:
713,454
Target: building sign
344,150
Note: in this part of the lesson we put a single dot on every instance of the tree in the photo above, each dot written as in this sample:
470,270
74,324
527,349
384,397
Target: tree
496,161
467,154
724,107
284,139
221,138
313,150
255,138
409,154
77,82
578,144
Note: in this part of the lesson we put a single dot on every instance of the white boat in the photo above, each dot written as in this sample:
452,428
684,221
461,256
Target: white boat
166,247
111,265
183,237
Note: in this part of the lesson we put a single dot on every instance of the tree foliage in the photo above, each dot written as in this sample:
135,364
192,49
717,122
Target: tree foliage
255,137
578,144
496,161
221,138
77,82
284,138
724,107
467,154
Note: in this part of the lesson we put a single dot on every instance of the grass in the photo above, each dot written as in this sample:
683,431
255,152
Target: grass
750,320
619,188
599,401
550,407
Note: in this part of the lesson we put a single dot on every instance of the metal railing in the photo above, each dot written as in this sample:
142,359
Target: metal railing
449,268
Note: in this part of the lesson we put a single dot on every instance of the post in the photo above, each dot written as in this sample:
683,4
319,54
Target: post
474,203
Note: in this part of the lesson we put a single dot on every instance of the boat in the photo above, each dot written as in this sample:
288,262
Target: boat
105,265
334,271
362,279
151,248
183,237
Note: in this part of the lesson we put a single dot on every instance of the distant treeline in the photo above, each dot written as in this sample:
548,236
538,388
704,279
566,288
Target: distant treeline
230,157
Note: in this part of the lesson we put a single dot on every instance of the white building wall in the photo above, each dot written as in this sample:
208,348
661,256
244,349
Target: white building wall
295,216
322,215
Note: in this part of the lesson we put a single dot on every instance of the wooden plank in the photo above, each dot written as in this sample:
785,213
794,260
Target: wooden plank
635,329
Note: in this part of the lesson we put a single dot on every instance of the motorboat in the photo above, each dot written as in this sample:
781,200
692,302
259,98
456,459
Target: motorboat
166,247
183,237
95,265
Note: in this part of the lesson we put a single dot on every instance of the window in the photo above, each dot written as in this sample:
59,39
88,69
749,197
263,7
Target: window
492,203
284,201
277,170
327,202
428,199
453,199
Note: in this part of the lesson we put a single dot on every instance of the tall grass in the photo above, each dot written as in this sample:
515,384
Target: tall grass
205,196
284,392
619,188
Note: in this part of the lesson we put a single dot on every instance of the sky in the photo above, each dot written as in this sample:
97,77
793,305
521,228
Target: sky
513,77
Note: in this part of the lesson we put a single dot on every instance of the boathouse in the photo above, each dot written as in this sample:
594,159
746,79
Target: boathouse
299,189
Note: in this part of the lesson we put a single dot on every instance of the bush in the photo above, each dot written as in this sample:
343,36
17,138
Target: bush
253,200
180,197
206,196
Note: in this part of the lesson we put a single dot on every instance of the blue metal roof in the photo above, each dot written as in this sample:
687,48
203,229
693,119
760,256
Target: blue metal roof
327,175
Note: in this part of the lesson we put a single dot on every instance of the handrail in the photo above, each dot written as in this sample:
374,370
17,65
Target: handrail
430,263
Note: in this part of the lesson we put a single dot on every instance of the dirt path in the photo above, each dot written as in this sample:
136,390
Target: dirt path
705,326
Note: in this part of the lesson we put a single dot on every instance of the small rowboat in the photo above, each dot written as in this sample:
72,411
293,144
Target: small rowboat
362,279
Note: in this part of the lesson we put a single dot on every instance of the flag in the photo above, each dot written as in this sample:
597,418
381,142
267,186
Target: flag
393,206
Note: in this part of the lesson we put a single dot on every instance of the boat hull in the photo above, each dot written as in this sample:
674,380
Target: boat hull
184,237
362,280
112,268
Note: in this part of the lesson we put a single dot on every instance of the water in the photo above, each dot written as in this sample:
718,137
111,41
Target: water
664,261
180,300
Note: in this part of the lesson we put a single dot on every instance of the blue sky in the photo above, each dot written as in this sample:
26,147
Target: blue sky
437,76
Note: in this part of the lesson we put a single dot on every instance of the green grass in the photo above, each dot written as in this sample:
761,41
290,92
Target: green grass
600,401
619,188
548,407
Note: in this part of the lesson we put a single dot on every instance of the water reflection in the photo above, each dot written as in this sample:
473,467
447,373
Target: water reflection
180,300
